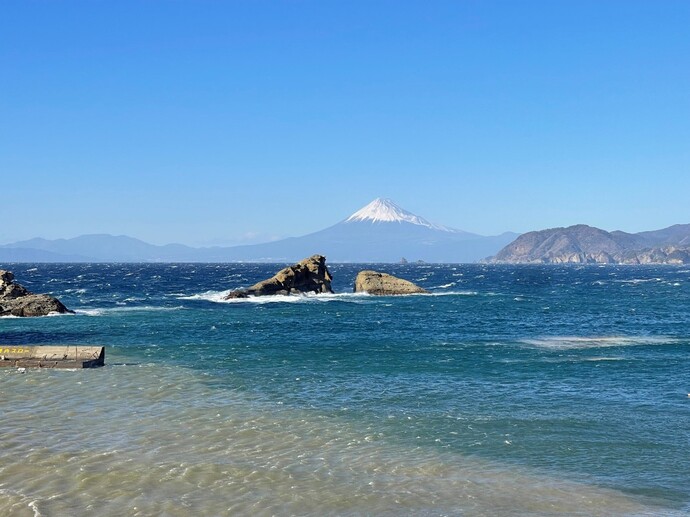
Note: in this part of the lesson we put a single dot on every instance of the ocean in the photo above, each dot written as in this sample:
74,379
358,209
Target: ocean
509,390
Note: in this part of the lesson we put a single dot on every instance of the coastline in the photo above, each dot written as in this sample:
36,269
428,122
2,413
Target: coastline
510,389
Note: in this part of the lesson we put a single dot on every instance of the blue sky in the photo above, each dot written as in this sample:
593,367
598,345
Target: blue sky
209,122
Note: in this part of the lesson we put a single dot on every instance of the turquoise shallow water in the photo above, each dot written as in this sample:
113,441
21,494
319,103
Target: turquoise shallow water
510,389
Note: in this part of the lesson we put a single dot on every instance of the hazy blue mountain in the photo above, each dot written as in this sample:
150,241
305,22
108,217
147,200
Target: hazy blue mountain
104,248
676,235
379,232
8,255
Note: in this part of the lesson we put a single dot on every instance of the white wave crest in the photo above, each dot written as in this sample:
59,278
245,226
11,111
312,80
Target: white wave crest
90,312
455,293
111,310
576,342
55,314
219,297
638,281
209,296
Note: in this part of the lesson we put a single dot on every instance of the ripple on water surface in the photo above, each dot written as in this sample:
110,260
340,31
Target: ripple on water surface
159,440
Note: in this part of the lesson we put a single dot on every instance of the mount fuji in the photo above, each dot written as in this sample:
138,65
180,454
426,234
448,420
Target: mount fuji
379,232
385,211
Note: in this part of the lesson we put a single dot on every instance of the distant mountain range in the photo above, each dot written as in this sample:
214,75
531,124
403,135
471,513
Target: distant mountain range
584,244
379,232
384,232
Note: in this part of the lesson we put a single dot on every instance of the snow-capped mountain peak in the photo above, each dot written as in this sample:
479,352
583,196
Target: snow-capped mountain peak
386,211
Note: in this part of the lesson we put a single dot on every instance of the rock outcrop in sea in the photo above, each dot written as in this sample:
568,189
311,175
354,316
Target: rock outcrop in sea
16,300
383,284
307,276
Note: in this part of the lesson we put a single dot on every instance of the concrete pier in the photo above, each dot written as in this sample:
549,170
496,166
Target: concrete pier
52,356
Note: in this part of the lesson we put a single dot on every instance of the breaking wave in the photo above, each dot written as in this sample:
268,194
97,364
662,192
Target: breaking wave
454,293
219,297
576,342
111,310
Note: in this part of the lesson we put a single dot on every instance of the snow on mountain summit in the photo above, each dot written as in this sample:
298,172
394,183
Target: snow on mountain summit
386,211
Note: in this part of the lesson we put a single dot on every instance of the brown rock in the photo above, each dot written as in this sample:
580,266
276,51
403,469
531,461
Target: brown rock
383,284
15,300
307,276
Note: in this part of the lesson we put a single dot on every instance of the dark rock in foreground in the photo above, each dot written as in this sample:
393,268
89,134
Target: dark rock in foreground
307,276
383,284
16,300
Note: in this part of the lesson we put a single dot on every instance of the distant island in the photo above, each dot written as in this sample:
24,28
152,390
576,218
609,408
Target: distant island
582,244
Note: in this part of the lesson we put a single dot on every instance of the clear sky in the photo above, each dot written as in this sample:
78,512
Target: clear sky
217,122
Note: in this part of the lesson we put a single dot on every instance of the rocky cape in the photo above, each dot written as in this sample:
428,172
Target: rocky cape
383,284
307,276
16,300
582,244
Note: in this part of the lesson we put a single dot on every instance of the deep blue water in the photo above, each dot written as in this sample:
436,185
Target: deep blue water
583,372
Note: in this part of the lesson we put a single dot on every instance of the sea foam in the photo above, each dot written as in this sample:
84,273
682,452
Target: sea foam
577,342
219,297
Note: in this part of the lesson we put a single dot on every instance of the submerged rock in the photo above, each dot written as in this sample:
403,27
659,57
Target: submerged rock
15,300
383,284
307,276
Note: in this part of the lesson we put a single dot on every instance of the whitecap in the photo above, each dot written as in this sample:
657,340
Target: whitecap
89,312
219,297
77,291
210,296
577,342
54,314
635,281
454,293
110,310
561,358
